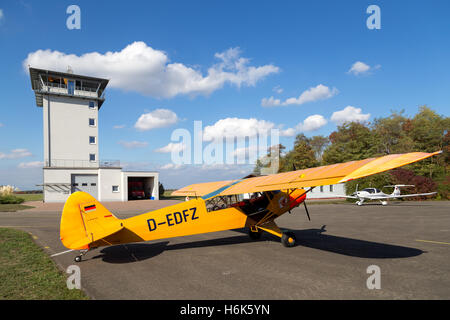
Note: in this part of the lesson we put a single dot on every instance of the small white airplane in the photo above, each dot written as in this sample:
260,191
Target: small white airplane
377,194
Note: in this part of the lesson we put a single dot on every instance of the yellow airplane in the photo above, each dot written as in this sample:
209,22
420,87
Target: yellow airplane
216,206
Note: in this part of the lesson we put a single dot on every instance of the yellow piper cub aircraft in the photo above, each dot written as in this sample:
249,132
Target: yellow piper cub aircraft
86,224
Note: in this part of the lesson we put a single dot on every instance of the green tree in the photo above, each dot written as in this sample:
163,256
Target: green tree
390,134
351,141
428,131
302,156
274,153
319,144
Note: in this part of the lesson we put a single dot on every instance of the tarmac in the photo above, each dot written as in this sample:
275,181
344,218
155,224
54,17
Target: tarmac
408,241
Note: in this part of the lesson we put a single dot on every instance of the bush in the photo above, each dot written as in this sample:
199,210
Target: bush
422,184
9,199
161,189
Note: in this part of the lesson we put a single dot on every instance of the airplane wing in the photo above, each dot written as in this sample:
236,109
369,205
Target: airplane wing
324,175
412,195
345,196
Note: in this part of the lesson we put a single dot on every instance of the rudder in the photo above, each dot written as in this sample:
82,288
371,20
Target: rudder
84,220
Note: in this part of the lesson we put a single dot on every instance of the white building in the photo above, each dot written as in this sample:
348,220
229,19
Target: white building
327,192
71,105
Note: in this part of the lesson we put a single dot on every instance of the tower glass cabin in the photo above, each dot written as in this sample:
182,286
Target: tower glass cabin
70,111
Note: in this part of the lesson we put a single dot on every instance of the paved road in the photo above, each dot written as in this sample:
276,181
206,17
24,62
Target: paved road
409,241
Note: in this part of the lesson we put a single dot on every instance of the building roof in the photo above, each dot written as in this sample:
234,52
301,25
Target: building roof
97,85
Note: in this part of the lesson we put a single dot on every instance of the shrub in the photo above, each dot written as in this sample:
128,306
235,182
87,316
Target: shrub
10,199
161,189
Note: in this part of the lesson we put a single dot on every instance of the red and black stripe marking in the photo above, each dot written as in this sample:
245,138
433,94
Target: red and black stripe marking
90,208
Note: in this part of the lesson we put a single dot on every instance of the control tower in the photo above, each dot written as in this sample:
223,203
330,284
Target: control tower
71,105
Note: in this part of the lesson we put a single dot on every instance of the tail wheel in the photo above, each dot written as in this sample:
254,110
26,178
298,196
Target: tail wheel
288,239
254,235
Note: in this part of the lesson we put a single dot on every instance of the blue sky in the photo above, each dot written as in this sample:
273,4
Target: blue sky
297,50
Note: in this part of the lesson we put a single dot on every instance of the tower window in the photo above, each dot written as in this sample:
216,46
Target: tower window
321,188
331,188
92,140
115,188
92,157
91,105
92,122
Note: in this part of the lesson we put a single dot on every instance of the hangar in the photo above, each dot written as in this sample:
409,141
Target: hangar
71,105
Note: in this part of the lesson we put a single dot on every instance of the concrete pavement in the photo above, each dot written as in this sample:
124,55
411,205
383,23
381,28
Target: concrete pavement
409,241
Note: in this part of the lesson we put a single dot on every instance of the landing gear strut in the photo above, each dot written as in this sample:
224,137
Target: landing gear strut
254,234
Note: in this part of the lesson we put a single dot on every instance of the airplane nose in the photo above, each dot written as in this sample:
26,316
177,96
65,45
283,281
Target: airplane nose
297,197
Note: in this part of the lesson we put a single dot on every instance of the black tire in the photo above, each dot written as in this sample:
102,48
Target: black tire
254,235
77,259
288,239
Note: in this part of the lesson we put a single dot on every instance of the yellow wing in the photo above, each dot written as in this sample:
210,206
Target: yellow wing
325,175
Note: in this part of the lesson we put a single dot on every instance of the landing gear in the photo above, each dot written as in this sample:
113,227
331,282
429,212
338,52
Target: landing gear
254,234
383,203
288,239
80,256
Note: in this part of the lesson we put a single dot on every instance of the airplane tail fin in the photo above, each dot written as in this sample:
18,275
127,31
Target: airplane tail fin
396,191
84,220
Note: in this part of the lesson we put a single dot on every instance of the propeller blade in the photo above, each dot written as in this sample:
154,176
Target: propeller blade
306,208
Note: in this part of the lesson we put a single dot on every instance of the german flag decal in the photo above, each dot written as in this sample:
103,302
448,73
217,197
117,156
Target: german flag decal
90,208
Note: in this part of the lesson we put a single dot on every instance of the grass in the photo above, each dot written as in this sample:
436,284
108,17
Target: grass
167,196
27,273
30,196
13,207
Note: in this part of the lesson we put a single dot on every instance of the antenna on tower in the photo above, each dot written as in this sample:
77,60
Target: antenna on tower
69,69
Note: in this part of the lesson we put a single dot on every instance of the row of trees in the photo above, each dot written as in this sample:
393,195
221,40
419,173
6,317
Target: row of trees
427,131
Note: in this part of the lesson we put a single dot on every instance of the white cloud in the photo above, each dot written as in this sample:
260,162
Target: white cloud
171,166
172,147
361,68
143,69
1,15
32,164
16,154
270,102
312,123
133,144
235,127
349,114
319,92
158,118
289,132
119,126
278,89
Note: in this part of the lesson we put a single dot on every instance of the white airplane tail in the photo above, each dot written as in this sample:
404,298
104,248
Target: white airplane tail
397,187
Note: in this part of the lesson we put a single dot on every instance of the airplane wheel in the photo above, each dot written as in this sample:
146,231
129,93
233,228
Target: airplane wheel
254,235
77,259
359,203
288,239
